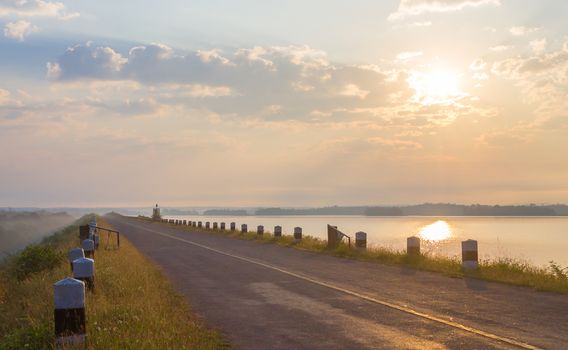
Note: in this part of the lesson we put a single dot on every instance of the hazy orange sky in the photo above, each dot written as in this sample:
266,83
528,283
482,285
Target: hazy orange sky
296,103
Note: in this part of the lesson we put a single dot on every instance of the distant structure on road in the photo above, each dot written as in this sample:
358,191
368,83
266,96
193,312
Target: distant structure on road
156,213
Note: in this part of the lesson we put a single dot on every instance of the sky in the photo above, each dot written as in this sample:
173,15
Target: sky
283,103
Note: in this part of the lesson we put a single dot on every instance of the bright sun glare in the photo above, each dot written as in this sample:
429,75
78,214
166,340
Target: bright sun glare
436,87
438,231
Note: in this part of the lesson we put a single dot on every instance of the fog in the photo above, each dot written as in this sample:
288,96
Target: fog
18,229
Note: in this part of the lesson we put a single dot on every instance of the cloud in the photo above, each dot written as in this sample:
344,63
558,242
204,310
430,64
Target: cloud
407,8
408,55
543,78
246,81
520,30
538,45
19,30
478,64
500,48
35,8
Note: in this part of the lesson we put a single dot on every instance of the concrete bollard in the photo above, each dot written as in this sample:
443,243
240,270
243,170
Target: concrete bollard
223,226
244,228
297,234
88,246
84,270
207,225
199,224
361,240
277,231
413,246
233,226
215,226
260,230
75,254
69,313
470,254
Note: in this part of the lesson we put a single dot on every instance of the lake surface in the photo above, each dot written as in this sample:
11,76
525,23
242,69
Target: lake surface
534,239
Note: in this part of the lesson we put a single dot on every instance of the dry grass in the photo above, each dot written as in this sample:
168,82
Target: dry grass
134,306
504,270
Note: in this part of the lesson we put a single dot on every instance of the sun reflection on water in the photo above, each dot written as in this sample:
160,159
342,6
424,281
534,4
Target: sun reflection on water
437,231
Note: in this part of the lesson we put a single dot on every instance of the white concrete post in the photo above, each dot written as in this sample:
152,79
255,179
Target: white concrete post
84,270
244,228
361,240
69,313
277,231
297,234
260,230
222,226
88,246
470,254
413,246
74,254
233,226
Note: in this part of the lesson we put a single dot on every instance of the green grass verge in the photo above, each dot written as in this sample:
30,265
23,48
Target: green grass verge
134,306
553,278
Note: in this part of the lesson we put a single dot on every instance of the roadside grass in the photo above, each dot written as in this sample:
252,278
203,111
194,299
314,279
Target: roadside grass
133,307
553,278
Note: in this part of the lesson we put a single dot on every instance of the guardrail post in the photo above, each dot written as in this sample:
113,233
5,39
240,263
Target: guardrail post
199,224
244,228
69,313
96,239
84,270
277,231
233,226
297,234
413,246
470,254
88,246
361,240
260,230
215,226
207,225
222,226
74,254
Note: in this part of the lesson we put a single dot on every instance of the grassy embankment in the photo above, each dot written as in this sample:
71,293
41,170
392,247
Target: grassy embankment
553,278
134,306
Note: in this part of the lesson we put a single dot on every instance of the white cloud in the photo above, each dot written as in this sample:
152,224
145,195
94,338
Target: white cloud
408,55
538,45
354,91
478,64
35,8
521,30
408,8
501,48
19,30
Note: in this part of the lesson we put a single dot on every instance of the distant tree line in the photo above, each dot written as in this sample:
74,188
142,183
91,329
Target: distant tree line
427,209
225,212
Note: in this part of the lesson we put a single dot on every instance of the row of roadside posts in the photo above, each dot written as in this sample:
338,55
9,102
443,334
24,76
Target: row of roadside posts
469,247
69,293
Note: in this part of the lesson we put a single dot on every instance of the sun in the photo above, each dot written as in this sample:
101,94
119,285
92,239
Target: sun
436,87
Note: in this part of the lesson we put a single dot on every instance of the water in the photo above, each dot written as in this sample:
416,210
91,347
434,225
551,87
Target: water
534,239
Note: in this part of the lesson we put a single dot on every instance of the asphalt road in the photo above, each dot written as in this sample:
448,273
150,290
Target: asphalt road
262,296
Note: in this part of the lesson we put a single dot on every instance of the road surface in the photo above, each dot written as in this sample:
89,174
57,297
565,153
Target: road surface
263,296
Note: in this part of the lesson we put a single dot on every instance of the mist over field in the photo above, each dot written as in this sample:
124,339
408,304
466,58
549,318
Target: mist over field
18,229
